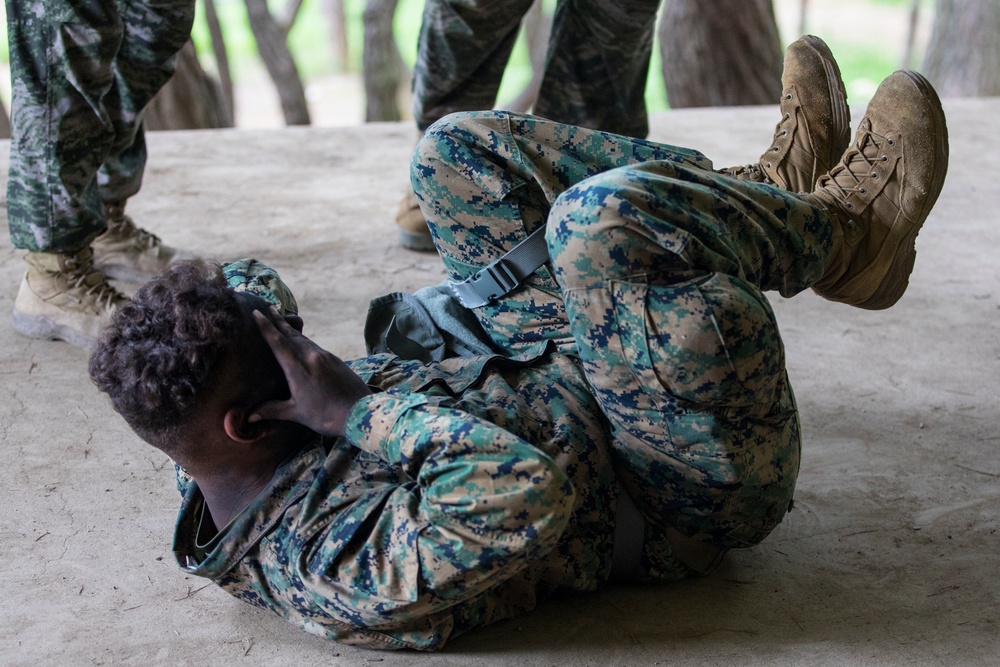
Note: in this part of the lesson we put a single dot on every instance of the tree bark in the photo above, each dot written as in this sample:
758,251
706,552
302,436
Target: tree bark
963,55
336,17
280,64
382,65
191,100
221,59
722,53
288,16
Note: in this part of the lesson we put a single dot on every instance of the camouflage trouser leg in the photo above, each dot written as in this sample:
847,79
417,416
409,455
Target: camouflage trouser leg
154,32
485,180
660,268
81,71
596,65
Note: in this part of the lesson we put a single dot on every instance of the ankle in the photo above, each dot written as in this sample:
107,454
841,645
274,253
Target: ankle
42,262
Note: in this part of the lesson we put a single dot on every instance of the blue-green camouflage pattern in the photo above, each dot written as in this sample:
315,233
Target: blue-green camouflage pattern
659,265
644,356
259,279
596,64
81,74
462,494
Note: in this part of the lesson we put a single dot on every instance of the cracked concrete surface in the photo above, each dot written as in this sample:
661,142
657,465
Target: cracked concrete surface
889,558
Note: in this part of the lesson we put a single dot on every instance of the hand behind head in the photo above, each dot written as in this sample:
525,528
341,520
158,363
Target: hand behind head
323,388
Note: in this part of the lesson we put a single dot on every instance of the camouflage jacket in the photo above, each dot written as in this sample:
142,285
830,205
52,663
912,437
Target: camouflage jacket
464,492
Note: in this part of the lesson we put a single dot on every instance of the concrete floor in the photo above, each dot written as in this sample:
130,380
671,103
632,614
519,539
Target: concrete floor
890,557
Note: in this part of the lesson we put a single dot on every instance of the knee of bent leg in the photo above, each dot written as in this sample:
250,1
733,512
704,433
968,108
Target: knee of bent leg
447,146
601,229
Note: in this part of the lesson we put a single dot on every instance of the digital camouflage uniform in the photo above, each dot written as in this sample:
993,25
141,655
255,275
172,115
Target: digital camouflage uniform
465,492
595,67
81,74
660,264
645,357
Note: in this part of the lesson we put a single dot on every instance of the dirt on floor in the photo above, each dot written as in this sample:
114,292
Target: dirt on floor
889,558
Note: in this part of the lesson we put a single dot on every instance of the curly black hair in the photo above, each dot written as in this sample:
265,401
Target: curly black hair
160,350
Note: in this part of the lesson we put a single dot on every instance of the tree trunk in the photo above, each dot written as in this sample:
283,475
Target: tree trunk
278,59
221,59
336,17
191,100
382,62
722,53
963,56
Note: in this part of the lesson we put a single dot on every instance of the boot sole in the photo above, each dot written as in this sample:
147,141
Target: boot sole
42,328
416,241
897,274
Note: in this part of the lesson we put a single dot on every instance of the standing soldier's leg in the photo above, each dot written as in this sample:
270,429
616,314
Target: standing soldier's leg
462,51
63,71
597,65
153,34
62,57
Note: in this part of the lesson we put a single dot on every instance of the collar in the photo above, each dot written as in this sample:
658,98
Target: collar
290,483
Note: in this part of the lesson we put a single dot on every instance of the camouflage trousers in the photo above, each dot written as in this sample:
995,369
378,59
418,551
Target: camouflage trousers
657,277
595,67
82,71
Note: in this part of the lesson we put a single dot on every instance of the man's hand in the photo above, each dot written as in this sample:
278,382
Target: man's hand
323,388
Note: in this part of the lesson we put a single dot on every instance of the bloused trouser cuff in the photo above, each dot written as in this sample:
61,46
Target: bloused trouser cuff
82,72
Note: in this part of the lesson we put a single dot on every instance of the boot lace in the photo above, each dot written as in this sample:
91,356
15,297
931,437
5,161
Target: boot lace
756,172
123,227
749,172
84,279
780,132
852,174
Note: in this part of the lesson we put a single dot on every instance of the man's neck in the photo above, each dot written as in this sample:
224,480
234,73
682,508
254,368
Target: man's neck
228,495
229,485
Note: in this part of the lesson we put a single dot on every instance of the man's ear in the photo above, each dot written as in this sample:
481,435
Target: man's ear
239,429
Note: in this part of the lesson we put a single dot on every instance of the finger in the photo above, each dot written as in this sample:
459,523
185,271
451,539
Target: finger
275,410
282,324
276,340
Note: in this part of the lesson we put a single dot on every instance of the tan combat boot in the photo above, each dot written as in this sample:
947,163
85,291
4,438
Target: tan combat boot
64,297
127,252
815,125
413,231
882,191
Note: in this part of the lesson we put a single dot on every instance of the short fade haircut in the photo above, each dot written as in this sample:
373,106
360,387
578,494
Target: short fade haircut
158,354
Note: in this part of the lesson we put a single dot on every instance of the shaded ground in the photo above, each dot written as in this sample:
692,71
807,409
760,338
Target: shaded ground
890,557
